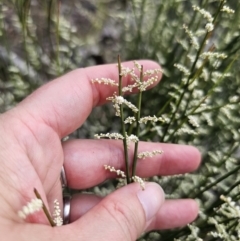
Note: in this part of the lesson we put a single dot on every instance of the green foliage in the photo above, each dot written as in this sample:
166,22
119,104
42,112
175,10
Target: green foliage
198,95
39,40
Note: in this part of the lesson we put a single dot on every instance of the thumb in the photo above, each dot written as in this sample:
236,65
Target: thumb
123,215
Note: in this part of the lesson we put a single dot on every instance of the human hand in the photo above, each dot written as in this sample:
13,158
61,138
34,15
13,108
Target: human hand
32,154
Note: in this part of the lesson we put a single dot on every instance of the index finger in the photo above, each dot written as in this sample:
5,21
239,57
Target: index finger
65,103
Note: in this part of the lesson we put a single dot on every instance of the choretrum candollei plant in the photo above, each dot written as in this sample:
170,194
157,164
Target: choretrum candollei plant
140,81
36,204
197,44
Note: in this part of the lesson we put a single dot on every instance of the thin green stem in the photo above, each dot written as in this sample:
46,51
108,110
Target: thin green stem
183,119
138,126
235,170
122,122
23,8
206,37
236,184
139,21
57,36
45,208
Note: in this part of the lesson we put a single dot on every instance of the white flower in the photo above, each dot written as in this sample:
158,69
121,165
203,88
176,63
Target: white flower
140,181
33,206
130,120
143,155
105,81
57,219
193,39
145,84
204,13
227,9
137,65
209,27
131,138
112,169
115,136
119,100
193,121
152,72
148,118
182,69
212,55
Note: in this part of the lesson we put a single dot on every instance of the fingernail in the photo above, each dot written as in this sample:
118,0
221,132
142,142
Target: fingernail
151,199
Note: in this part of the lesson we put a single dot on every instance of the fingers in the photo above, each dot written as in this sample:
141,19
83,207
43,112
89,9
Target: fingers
84,160
122,215
65,103
81,204
172,214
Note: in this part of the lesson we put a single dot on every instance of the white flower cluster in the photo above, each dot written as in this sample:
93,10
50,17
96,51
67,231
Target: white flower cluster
136,75
33,206
115,136
226,111
204,13
227,9
209,26
145,84
193,39
65,138
130,120
152,73
140,181
57,219
152,119
221,230
215,55
234,98
105,81
119,100
131,138
123,177
232,209
186,131
193,121
182,69
129,88
208,118
141,85
194,233
143,155
229,211
137,65
148,72
126,71
112,169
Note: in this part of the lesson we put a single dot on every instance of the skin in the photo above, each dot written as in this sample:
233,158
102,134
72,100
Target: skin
32,154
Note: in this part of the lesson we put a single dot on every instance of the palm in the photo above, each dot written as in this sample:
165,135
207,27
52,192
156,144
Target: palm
32,156
41,157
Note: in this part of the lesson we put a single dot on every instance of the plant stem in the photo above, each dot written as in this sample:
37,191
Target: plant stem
45,208
57,35
235,170
138,125
122,123
206,37
184,118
